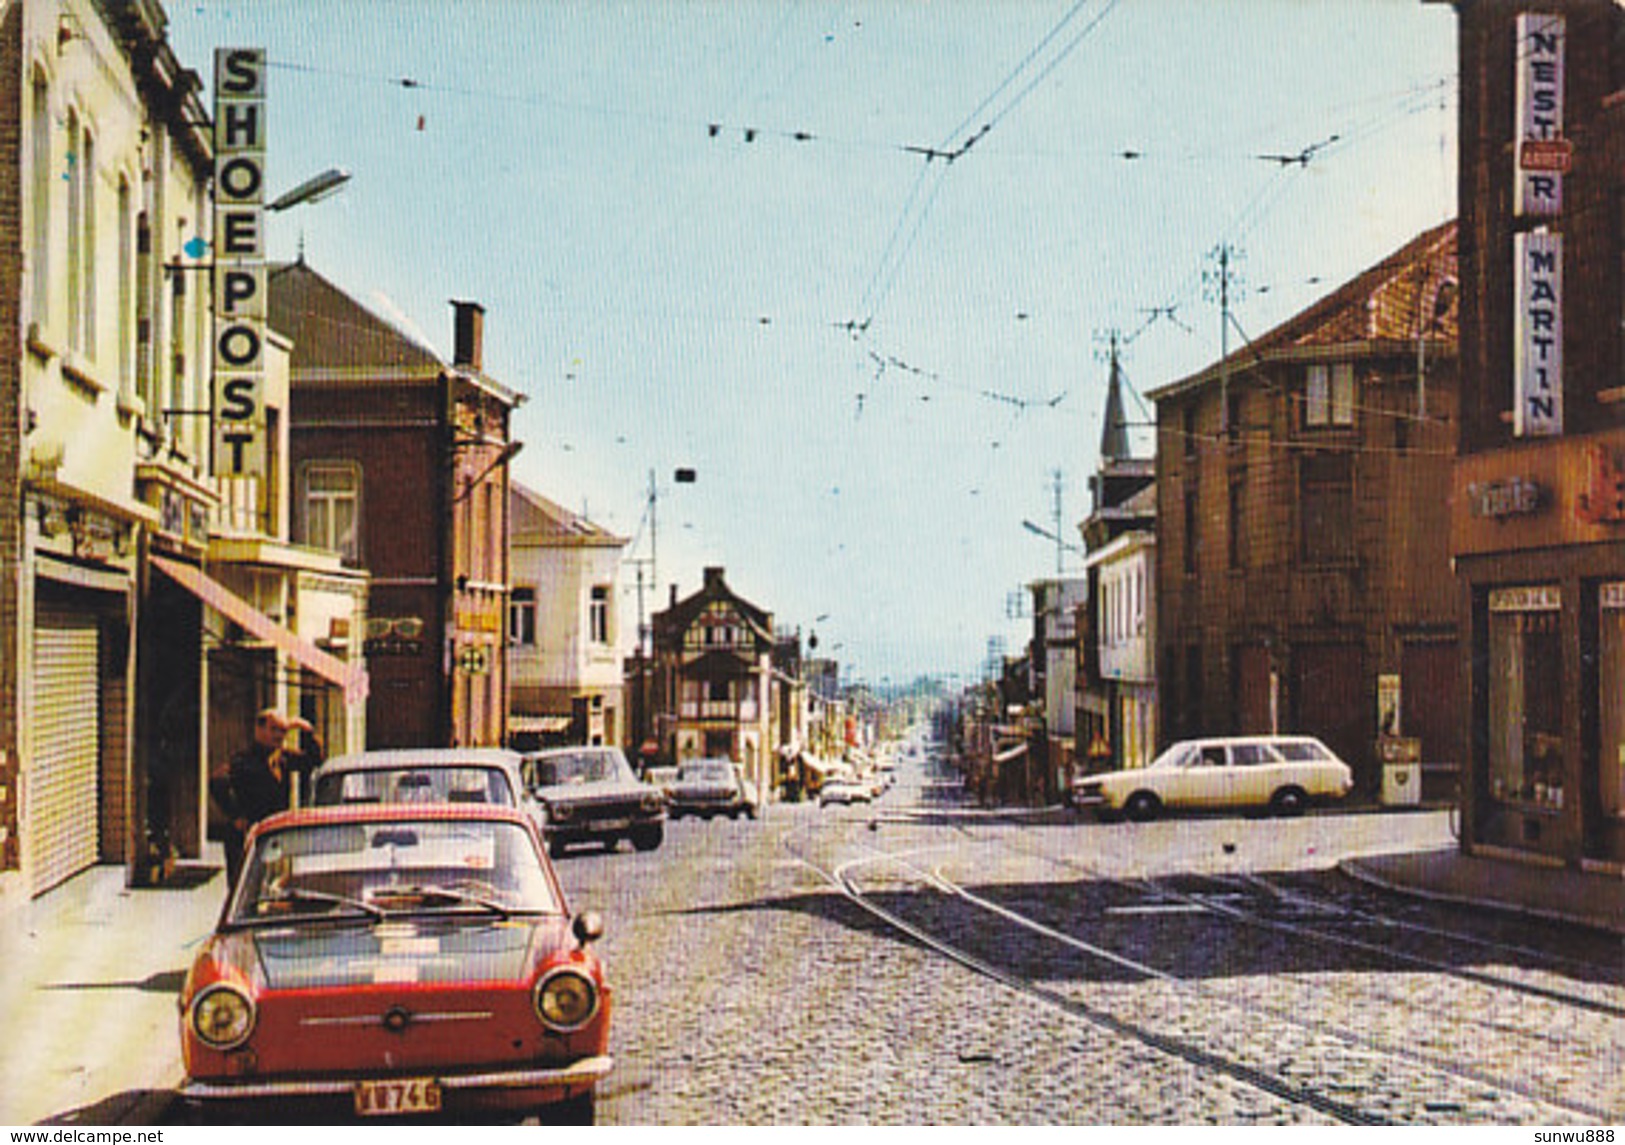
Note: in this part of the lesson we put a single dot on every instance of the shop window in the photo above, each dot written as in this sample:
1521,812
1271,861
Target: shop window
1611,701
1525,693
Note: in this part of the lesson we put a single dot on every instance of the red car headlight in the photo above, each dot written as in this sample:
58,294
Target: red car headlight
566,999
222,1016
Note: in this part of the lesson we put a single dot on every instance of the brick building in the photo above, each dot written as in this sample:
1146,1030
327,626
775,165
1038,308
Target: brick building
1538,529
400,464
1302,561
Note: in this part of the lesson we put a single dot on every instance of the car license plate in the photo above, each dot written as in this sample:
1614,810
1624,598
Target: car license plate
405,1095
613,824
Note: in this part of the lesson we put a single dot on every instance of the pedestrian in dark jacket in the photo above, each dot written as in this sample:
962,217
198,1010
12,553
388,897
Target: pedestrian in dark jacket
260,779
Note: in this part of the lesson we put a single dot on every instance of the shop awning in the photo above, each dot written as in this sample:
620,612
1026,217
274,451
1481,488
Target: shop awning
351,677
1007,754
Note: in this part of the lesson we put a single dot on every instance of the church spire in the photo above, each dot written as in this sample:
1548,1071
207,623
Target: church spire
1114,444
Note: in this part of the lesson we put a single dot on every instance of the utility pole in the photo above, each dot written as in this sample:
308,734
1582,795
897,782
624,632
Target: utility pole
654,548
1218,286
1059,545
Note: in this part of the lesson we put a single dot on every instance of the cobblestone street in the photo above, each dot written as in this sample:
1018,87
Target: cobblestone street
752,991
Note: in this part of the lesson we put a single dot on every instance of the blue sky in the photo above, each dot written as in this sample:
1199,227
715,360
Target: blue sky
680,216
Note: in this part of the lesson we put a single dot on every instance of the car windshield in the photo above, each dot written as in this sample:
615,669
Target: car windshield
577,767
1180,755
708,772
385,868
415,784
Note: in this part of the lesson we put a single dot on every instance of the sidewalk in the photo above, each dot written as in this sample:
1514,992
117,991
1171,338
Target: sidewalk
1587,898
89,974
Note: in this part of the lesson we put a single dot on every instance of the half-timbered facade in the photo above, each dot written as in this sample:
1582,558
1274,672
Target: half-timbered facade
714,679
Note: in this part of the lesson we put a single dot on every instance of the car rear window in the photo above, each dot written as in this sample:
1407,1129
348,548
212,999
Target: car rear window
576,767
415,785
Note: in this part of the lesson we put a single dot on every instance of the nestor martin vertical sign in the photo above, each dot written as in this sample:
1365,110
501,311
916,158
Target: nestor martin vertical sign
1537,334
240,279
1539,152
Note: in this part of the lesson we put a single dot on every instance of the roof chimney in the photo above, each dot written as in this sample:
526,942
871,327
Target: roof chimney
470,334
713,575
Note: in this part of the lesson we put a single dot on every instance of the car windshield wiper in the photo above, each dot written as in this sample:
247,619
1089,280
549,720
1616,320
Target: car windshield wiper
428,892
303,894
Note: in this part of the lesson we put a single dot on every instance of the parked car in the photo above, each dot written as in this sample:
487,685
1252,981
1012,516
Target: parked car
844,791
707,787
395,959
1282,773
426,775
591,794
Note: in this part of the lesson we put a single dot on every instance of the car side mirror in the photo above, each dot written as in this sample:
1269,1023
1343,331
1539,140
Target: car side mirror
588,927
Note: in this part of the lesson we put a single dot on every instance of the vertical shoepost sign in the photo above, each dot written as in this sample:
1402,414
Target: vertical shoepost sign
240,276
1542,157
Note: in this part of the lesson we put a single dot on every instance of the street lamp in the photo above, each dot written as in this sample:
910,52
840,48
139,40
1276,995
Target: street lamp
1060,543
312,190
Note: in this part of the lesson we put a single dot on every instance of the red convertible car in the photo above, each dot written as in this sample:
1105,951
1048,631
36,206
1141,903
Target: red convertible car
397,960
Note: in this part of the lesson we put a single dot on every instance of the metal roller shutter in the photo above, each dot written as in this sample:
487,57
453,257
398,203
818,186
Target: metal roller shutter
62,805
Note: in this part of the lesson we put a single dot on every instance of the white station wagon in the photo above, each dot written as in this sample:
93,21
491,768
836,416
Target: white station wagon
1283,773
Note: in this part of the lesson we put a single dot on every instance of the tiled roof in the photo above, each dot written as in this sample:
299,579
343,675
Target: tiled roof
538,520
680,615
1409,293
332,332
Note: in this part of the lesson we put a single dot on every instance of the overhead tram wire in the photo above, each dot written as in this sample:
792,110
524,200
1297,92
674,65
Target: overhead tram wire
1260,206
949,152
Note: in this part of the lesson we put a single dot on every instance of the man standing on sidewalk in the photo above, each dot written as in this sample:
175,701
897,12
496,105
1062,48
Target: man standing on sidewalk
259,780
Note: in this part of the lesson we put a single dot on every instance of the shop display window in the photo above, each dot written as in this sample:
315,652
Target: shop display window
1526,700
1611,700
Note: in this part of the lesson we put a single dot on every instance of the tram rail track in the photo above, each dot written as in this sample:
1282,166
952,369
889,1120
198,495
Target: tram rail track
1173,1046
1535,1029
1375,1055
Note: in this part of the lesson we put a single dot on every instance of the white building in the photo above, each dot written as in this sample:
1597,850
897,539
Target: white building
1055,666
107,346
1125,621
109,511
564,638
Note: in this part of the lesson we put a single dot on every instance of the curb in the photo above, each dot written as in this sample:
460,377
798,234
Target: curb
1357,869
